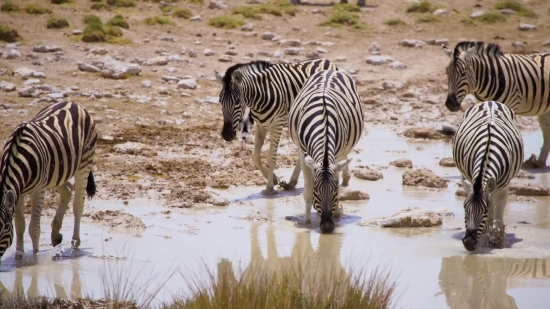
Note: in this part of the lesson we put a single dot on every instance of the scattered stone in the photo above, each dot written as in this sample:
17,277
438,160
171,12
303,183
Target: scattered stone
293,43
29,92
387,85
318,11
187,84
133,148
402,163
277,54
77,32
374,48
292,51
424,177
525,174
529,190
247,27
526,27
168,78
7,87
528,199
410,217
321,50
312,55
546,43
352,195
441,12
268,36
231,52
277,38
221,5
461,192
447,162
119,70
116,220
507,12
411,43
397,65
220,202
26,73
368,174
378,60
107,256
168,39
196,18
423,132
209,52
87,67
225,58
476,14
211,100
46,49
192,53
13,54
160,60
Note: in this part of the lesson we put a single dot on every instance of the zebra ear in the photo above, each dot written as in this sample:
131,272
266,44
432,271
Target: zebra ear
469,53
9,201
338,167
490,185
219,77
466,185
311,163
237,77
447,51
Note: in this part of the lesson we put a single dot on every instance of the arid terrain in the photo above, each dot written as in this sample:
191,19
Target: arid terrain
160,124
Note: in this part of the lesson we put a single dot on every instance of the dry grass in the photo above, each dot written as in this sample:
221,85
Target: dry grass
9,6
427,18
56,23
158,20
121,3
515,6
225,22
421,7
277,8
8,34
395,22
37,9
118,21
342,16
492,17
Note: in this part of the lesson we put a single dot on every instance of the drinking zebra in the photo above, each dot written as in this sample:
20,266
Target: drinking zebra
522,82
487,150
325,122
268,90
44,153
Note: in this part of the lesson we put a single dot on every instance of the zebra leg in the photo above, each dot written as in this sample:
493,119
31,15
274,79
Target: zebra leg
544,123
65,191
345,174
37,201
80,183
258,143
308,190
499,202
294,178
272,180
20,227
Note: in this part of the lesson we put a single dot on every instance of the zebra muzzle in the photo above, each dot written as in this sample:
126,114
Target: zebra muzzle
452,103
228,133
470,239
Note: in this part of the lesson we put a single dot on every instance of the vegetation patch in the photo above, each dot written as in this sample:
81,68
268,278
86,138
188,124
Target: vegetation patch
62,1
37,9
515,6
395,22
8,34
421,7
341,17
225,22
158,20
100,6
194,1
492,17
178,12
346,7
118,21
277,8
96,31
427,18
56,23
121,3
9,6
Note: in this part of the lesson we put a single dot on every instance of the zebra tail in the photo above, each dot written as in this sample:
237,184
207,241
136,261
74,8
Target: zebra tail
90,187
447,130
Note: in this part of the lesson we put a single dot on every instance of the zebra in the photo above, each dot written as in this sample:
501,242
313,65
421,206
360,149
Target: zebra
519,81
325,122
44,153
487,150
268,90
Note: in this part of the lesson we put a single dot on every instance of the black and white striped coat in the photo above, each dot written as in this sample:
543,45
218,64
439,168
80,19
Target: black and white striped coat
522,82
46,152
488,152
325,122
269,91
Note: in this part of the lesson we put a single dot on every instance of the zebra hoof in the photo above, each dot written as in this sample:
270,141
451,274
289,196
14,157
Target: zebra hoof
18,255
75,243
57,240
287,186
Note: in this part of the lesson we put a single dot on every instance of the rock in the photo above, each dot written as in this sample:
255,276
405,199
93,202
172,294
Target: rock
46,49
368,174
172,70
293,43
168,78
7,87
440,42
187,84
387,85
410,217
211,100
196,18
411,43
247,27
524,174
441,12
292,51
527,199
13,54
378,60
529,190
423,132
447,162
546,43
87,67
192,53
146,84
321,50
220,202
476,14
268,36
231,52
507,12
168,39
402,163
160,60
119,70
29,92
312,55
397,65
424,177
99,51
374,48
461,192
26,73
277,38
225,58
526,27
352,195
318,11
221,5
209,52
77,32
133,148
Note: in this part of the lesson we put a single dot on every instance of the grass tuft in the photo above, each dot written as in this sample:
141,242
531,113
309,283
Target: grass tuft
91,19
395,22
276,8
182,13
96,31
9,6
492,17
122,3
56,23
420,7
225,22
118,21
37,9
8,34
339,18
427,18
346,7
62,1
515,6
195,1
158,20
99,6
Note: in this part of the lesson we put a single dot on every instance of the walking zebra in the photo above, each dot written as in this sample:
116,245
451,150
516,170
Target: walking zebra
268,90
44,153
522,82
325,122
487,150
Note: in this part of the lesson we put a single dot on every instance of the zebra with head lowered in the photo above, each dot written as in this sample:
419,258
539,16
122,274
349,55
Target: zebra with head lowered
487,150
268,90
46,152
325,122
522,82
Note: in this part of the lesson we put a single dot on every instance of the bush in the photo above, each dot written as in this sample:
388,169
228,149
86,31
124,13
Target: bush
182,13
492,17
118,21
274,8
347,7
95,31
112,31
62,1
56,23
97,0
339,18
8,34
91,19
395,22
225,22
122,3
158,20
420,7
35,8
9,6
99,6
195,1
427,18
516,7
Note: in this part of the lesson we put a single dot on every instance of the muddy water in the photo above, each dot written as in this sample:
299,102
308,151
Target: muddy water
430,262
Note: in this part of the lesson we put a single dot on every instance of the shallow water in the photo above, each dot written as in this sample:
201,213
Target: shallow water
430,262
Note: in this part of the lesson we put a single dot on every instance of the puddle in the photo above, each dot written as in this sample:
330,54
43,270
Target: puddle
431,262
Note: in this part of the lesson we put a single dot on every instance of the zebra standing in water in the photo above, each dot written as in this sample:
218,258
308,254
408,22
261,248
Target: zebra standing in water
487,150
325,122
522,82
46,152
268,90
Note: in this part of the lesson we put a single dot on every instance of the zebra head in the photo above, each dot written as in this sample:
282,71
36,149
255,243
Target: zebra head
460,75
476,210
7,208
231,102
325,190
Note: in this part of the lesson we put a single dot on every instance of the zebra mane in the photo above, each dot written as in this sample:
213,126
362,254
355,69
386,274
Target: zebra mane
491,49
259,65
13,141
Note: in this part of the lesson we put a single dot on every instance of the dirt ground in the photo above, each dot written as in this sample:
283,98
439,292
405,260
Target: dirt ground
182,154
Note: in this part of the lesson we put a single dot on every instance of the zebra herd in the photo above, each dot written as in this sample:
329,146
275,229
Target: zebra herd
323,111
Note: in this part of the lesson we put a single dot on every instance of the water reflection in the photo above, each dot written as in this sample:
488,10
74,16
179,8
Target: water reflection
481,282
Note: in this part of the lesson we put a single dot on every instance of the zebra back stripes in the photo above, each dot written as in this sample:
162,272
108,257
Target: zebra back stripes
326,122
44,153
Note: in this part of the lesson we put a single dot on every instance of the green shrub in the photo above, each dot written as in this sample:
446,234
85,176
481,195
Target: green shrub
158,20
56,23
427,18
99,6
62,1
347,7
8,34
182,13
274,8
516,7
9,6
35,8
118,21
91,19
95,31
225,22
112,31
492,17
121,3
420,7
195,1
395,22
339,18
